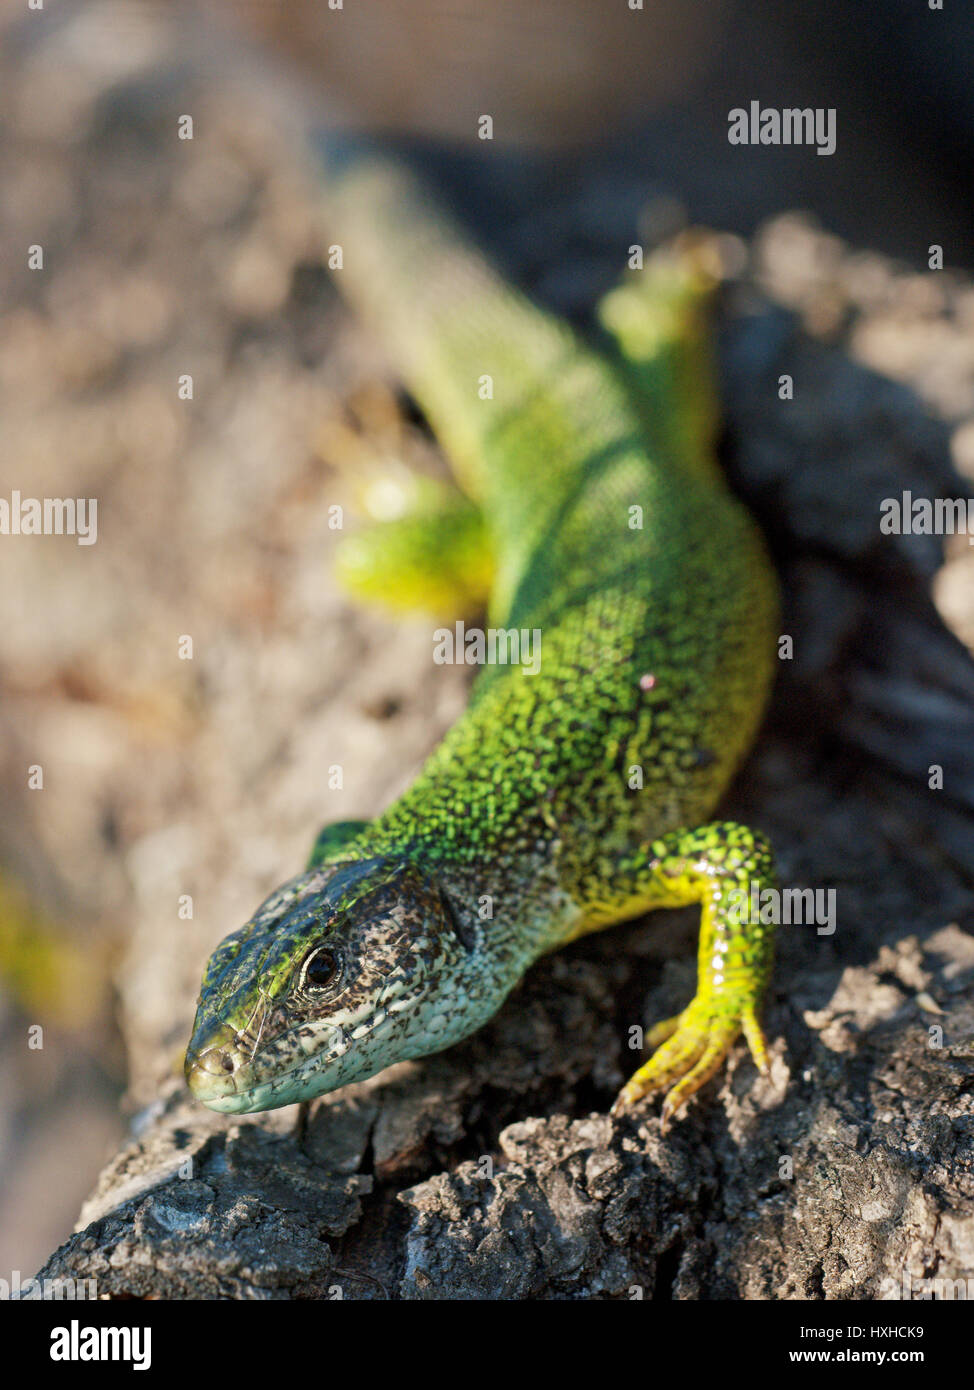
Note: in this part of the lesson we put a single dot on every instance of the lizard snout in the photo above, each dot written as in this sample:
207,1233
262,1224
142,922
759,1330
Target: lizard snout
213,1064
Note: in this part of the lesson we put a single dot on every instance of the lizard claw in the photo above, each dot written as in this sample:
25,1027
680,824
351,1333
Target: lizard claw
696,1045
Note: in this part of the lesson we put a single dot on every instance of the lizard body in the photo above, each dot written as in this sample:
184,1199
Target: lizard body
564,799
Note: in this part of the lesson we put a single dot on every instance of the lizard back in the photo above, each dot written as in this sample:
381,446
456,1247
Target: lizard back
656,638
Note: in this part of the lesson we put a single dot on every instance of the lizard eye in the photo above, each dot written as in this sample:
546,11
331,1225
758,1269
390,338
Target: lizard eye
321,968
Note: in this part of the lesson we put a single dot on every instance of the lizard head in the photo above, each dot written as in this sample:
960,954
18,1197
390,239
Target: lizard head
345,969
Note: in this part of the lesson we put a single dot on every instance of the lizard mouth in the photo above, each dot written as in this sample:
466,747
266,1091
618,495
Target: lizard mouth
219,1072
226,1076
226,1080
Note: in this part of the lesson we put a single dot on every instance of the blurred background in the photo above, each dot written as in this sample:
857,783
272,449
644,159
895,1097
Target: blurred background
164,257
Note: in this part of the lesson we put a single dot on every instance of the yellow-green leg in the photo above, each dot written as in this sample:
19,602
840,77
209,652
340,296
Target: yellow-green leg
434,559
659,321
724,867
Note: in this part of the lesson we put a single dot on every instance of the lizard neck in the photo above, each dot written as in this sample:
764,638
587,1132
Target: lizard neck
505,897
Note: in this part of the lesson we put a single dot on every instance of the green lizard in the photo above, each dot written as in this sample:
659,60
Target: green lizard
562,801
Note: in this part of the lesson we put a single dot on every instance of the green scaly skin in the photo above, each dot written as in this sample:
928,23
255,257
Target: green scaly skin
562,801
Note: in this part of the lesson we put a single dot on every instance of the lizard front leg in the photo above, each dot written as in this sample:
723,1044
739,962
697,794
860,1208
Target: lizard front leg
332,839
718,866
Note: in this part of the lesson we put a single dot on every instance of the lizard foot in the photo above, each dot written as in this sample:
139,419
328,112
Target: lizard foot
724,867
690,1049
